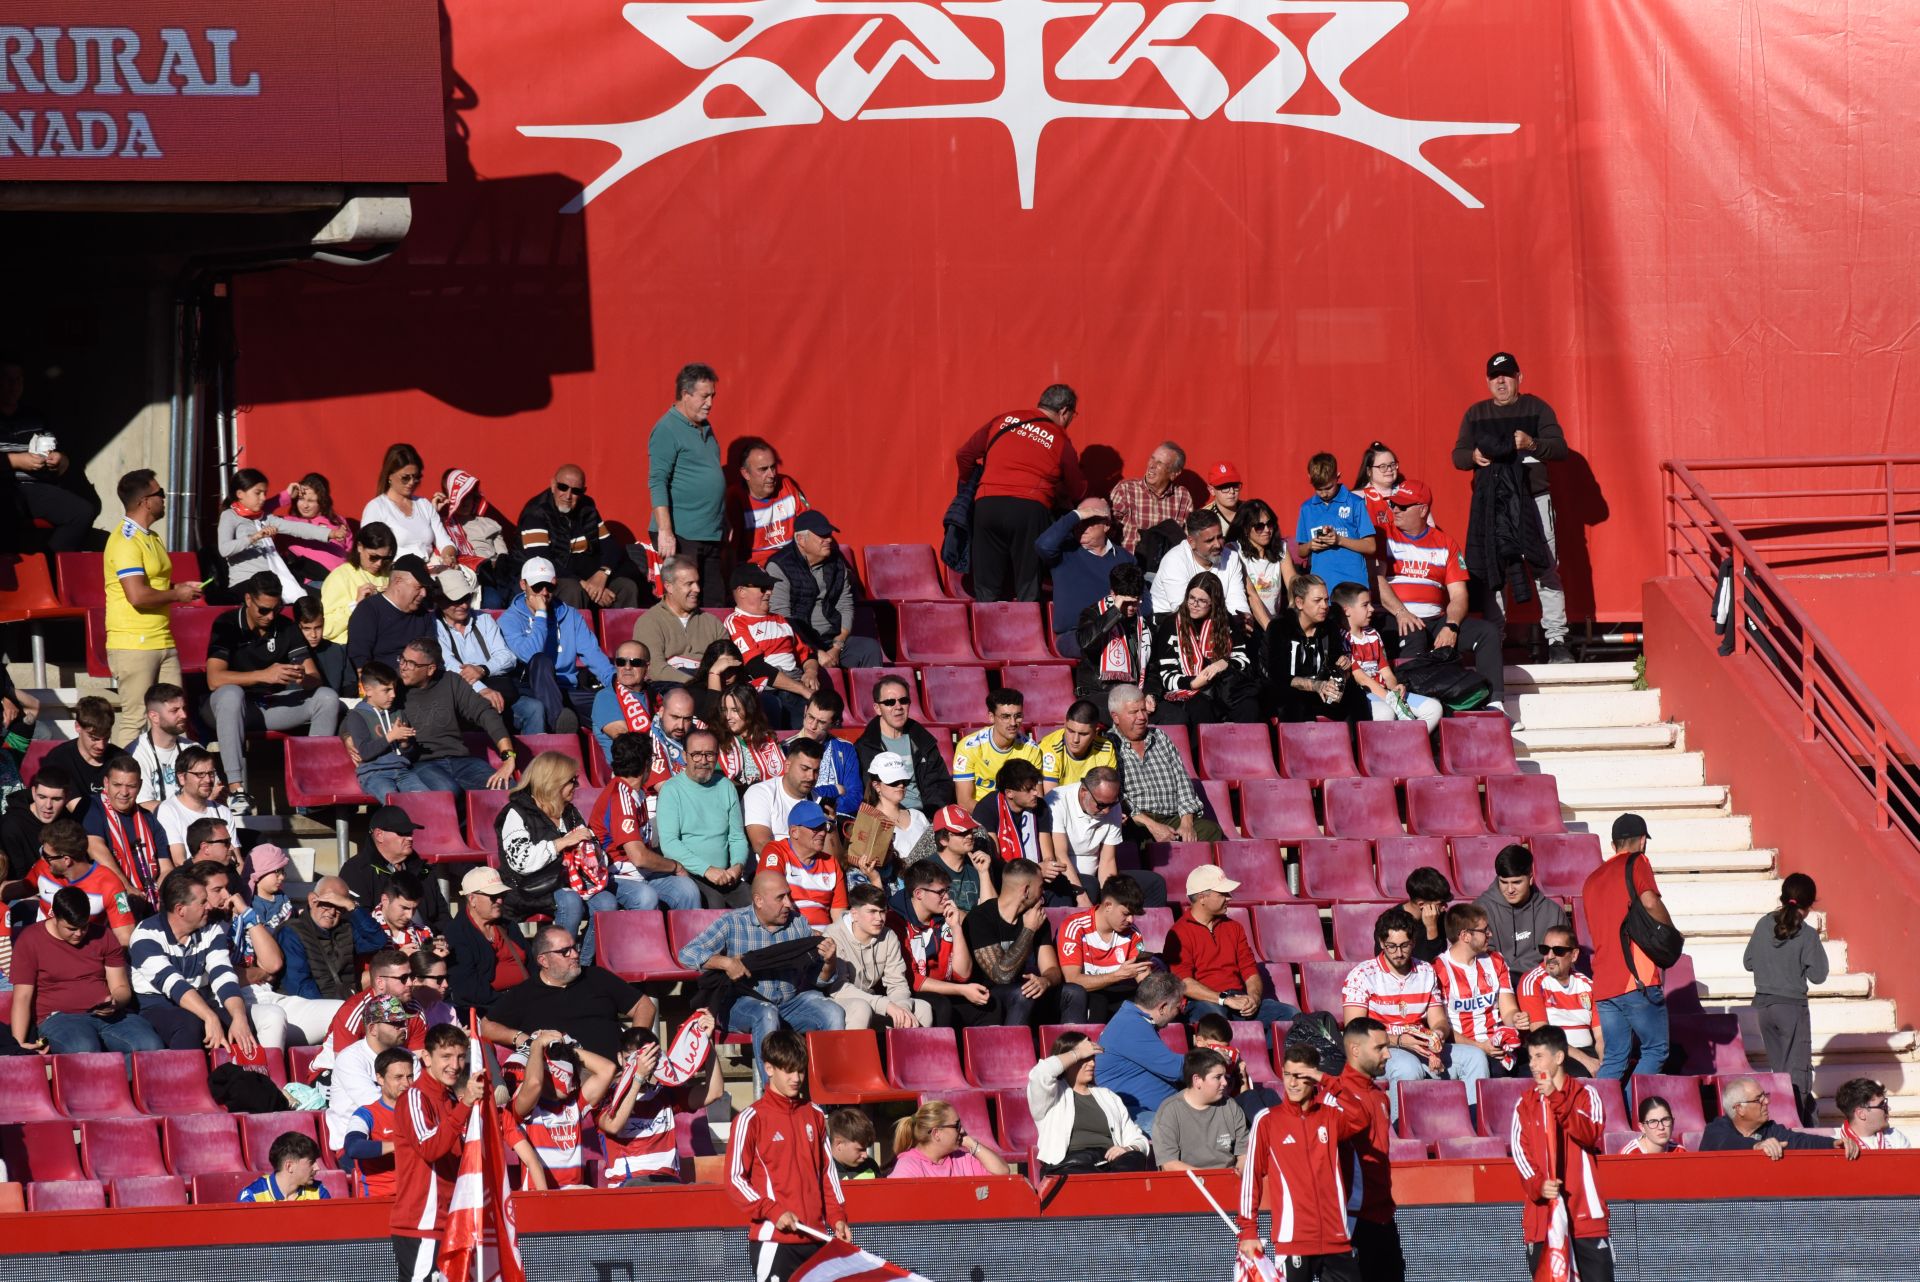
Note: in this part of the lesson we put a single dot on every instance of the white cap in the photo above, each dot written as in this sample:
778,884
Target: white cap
457,582
890,767
537,569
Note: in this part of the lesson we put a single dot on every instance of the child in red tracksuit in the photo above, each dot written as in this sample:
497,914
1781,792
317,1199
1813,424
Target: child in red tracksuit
1560,1165
1296,1146
780,1166
430,1131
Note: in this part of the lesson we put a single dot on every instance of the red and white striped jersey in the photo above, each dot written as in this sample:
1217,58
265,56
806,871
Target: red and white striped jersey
619,816
1471,994
929,948
1082,945
1421,568
1568,1005
769,637
553,1128
819,888
646,1143
767,524
1398,1001
1368,651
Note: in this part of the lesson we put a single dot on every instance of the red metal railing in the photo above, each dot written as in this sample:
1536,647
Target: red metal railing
1836,706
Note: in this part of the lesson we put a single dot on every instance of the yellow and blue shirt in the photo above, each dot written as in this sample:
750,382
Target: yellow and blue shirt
977,759
133,551
267,1189
1060,767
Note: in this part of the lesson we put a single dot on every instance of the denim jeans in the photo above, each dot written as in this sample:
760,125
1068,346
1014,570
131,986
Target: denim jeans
1270,1011
1465,1063
382,781
527,715
570,909
658,890
1637,1016
72,1033
454,774
803,1012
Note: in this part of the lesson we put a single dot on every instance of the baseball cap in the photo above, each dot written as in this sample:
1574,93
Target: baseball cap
954,819
385,1009
1502,364
806,815
416,567
1208,878
392,819
1627,827
456,583
890,767
482,881
1411,493
537,569
749,575
814,522
1223,474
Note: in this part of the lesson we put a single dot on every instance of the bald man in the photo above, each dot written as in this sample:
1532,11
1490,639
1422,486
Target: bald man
563,524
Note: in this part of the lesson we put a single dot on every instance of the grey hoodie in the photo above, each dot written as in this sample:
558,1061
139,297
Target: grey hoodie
1782,968
1517,931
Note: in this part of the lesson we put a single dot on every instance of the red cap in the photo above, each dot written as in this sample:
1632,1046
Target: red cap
954,819
1411,494
1223,474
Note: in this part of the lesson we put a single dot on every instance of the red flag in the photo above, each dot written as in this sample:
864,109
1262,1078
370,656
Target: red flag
1259,1268
481,1242
1556,1256
839,1261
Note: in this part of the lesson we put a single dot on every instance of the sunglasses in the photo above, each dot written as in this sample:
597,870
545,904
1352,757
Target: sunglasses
629,663
441,980
892,703
1262,525
539,587
406,477
561,487
1552,950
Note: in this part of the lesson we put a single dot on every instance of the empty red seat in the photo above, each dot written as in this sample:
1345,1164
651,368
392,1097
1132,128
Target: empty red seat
483,807
1153,925
1477,1148
1478,746
1316,751
1048,689
862,701
692,1136
24,1093
111,1147
319,773
1473,860
149,1190
201,1143
925,1059
1401,1149
1493,1104
1174,860
92,1085
300,1062
1683,1093
30,764
634,946
1017,1126
844,1068
1289,932
1434,1110
1259,867
955,695
903,572
1216,802
616,625
1706,1039
1443,806
1562,861
1524,804
1012,632
999,1058
192,626
438,837
81,577
936,632
258,1131
1361,808
1397,750
169,1082
1278,809
1229,751
1781,1105
36,1151
1336,868
1396,857
1250,1039
1322,983
1353,929
67,1195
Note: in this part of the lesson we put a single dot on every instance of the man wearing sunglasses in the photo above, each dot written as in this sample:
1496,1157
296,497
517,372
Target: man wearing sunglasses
261,676
563,524
1554,994
553,641
140,593
894,730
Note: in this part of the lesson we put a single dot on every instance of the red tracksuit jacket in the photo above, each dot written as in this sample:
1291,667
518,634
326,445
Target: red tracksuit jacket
778,1160
1297,1146
1364,1163
429,1132
1581,1120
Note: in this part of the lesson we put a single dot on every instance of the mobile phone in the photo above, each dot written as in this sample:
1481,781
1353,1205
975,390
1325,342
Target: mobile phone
1322,530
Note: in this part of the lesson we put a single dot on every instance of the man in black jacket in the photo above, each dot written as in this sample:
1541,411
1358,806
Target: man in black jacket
814,590
488,957
387,850
1745,1123
564,525
894,730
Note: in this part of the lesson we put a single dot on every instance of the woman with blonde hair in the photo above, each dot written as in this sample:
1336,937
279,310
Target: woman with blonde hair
551,861
932,1144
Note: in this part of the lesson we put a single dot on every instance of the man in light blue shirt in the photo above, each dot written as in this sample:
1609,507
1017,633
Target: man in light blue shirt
1334,526
552,639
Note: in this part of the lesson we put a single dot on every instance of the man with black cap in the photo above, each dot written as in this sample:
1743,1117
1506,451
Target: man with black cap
387,850
1628,991
382,624
779,663
1537,440
814,588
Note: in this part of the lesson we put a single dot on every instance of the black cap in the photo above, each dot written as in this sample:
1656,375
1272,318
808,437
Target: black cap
1627,827
392,819
1502,364
749,575
415,566
816,523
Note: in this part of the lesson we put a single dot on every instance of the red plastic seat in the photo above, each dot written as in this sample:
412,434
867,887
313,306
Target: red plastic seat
111,1147
1316,751
258,1131
616,625
1526,804
1154,926
903,572
1683,1093
1443,806
300,1062
1473,859
1396,750
274,1065
192,627
1705,1039
483,807
1250,1039
1049,1033
172,1082
1478,746
956,695
1017,1126
1229,751
1362,808
634,946
925,1059
92,1085
844,1068
1399,856
684,925
24,1093
1336,868
40,1151
1278,810
532,745
67,1195
692,1137
1353,929
149,1190
1401,1149
1289,932
1562,861
439,839
81,578
1782,1107
1048,689
30,764
201,1143
1493,1104
1434,1110
319,773
862,701
1013,632
936,632
998,1058
1322,984
1477,1148
1260,869
1174,860
1216,801
216,1187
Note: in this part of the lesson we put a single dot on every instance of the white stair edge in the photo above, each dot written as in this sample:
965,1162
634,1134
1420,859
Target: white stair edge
1686,797
1569,674
1555,741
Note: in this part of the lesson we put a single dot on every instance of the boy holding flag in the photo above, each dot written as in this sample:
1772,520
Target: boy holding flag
1557,1131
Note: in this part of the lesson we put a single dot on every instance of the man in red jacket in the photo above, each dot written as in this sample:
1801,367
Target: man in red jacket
1557,1131
1296,1145
1030,469
1364,1158
430,1131
780,1167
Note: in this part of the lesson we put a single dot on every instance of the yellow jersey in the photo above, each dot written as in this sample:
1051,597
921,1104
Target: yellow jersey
134,551
977,759
1060,768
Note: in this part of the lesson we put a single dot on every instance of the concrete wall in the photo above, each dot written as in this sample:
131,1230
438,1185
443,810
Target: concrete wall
1864,615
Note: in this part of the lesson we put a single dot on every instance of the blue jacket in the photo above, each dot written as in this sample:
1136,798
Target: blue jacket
296,977
1079,577
1136,1065
562,634
841,765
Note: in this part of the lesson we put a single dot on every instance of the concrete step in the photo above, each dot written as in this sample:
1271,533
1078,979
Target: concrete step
1713,896
1732,927
1530,677
1574,710
1901,1079
1593,773
1678,863
1717,956
1869,1018
1599,807
1542,744
1673,833
1721,986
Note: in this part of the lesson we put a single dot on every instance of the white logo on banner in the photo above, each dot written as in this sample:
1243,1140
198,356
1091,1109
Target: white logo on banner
1119,36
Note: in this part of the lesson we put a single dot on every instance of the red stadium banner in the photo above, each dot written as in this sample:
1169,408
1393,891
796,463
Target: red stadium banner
220,91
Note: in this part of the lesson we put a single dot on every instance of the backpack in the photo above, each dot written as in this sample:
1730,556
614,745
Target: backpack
242,1090
1663,944
1318,1029
1438,675
956,541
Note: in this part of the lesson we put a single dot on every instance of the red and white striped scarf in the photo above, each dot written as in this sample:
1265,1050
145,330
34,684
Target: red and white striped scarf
768,757
1120,657
633,707
140,862
586,870
1011,847
1192,655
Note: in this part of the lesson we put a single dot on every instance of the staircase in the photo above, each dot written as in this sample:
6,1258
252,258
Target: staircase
1610,751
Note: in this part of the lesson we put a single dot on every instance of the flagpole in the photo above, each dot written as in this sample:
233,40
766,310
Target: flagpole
810,1231
1228,1220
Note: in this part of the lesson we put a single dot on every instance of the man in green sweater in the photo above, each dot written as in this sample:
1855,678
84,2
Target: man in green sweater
698,823
683,474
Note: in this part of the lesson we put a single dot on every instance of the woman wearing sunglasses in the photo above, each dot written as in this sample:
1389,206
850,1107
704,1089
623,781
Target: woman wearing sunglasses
1263,551
415,522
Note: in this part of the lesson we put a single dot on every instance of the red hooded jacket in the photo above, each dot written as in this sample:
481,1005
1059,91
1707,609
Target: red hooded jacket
778,1160
1364,1161
1297,1147
1580,1120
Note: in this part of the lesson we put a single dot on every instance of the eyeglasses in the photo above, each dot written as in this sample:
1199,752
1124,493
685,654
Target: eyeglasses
629,663
1557,950
1658,1121
561,487
404,662
703,756
568,951
1881,1107
198,774
893,703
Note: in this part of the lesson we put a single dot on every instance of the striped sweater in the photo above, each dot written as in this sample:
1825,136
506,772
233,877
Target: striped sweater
167,967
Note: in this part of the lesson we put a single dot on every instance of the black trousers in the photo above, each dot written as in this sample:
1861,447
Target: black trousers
1478,640
958,1012
710,559
1376,1250
1005,565
1318,1268
1233,697
776,1261
70,515
1093,1006
1593,1256
626,592
414,1257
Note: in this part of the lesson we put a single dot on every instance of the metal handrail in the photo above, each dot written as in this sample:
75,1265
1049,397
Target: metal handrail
1836,706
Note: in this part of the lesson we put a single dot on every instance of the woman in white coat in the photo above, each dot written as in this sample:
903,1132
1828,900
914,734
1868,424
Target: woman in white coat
1082,1127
